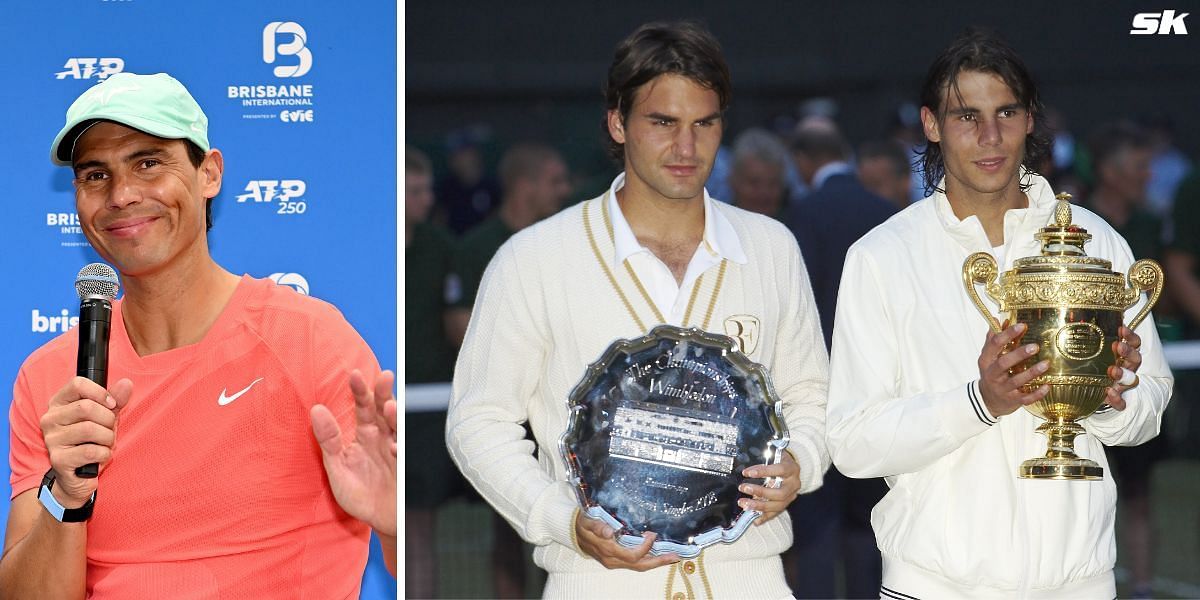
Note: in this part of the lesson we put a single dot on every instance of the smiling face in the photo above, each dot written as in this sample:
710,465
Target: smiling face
981,131
140,200
671,137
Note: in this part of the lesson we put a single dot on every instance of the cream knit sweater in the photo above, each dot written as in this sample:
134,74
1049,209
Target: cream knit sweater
545,310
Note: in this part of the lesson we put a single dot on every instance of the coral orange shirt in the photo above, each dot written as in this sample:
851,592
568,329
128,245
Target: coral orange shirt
216,487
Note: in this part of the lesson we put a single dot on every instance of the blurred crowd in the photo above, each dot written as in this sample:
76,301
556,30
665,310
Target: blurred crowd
829,190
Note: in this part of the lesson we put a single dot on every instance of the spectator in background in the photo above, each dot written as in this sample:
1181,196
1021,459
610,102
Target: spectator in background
718,179
757,179
466,195
905,129
536,185
885,170
834,215
1182,256
429,475
1121,153
835,521
1168,165
535,181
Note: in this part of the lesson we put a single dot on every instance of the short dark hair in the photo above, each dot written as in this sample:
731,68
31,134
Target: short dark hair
984,51
682,48
890,151
196,157
524,160
1110,139
820,143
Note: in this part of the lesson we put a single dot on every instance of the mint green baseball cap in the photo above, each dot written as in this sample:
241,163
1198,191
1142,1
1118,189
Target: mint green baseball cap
155,104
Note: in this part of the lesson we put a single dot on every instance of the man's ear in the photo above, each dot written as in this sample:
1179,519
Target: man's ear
930,124
616,126
211,172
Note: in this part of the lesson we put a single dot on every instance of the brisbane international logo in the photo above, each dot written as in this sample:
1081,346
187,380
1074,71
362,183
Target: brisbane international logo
287,99
272,49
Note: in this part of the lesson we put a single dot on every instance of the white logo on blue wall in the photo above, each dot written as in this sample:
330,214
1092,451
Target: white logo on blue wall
87,68
296,46
67,225
284,44
57,323
286,194
295,281
296,116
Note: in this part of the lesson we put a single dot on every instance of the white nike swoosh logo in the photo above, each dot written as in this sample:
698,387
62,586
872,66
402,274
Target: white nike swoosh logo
223,400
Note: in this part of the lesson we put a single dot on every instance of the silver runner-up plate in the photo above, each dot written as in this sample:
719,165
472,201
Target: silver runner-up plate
659,431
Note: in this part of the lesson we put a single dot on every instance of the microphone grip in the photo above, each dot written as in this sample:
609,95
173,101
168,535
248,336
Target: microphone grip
95,318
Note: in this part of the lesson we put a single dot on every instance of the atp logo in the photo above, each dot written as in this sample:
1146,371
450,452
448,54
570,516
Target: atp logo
296,116
87,68
294,47
295,281
1159,23
266,190
288,195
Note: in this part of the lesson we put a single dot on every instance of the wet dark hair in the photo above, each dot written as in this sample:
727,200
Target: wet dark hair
196,157
682,48
983,51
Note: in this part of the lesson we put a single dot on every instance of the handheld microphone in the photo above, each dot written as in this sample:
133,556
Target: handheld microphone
97,286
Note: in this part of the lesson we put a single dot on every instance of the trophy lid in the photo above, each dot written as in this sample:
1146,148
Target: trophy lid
1062,245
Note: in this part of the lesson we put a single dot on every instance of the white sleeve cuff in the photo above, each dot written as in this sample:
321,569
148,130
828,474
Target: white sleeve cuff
975,397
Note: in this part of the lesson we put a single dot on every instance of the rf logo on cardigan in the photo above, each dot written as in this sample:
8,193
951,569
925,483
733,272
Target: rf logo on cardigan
744,329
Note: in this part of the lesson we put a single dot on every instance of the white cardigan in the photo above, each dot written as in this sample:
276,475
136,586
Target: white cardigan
545,310
957,520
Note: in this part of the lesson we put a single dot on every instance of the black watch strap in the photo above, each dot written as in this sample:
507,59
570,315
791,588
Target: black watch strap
58,511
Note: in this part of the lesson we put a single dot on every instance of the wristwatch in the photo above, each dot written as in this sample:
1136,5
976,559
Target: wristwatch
58,511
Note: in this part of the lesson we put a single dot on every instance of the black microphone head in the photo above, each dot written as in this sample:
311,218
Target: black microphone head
97,280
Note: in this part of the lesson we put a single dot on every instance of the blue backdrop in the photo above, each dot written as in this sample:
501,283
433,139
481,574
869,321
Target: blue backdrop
301,99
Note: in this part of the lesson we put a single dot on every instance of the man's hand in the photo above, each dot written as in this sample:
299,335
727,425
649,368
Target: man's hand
1001,391
80,427
362,474
597,539
771,501
1129,357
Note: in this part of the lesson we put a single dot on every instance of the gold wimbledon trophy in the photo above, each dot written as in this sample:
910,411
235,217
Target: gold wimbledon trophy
1073,305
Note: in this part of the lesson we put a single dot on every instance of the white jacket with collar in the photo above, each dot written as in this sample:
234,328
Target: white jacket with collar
957,520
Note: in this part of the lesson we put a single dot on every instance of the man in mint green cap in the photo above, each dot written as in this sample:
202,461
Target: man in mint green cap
228,395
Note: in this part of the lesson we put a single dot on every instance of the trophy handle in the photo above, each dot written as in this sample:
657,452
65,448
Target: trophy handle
1145,275
981,268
